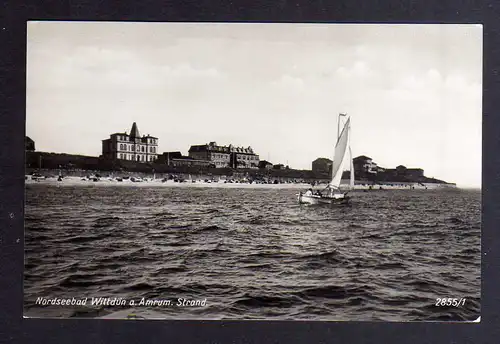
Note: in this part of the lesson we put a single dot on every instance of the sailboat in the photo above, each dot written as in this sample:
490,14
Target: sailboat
342,155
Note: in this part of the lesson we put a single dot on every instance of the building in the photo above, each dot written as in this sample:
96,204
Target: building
322,165
400,173
225,156
403,171
218,156
364,166
29,144
265,165
243,157
177,159
415,172
130,147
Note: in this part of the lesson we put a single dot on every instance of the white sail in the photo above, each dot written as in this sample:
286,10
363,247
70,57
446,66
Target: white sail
340,155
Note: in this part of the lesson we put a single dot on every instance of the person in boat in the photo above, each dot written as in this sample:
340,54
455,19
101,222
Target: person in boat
309,192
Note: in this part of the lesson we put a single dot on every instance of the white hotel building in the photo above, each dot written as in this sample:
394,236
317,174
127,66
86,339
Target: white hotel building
130,147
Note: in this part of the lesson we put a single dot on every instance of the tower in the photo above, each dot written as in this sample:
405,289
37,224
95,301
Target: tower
134,132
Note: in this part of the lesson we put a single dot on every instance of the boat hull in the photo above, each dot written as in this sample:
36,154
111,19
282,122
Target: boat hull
315,199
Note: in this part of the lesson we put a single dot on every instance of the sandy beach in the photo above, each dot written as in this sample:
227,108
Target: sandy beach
108,181
77,181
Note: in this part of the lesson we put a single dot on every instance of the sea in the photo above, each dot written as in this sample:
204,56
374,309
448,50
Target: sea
255,254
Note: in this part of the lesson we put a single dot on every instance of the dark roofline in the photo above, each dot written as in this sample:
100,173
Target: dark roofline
364,157
197,146
243,153
222,149
208,148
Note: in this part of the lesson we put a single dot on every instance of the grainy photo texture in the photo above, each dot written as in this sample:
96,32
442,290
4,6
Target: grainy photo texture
253,171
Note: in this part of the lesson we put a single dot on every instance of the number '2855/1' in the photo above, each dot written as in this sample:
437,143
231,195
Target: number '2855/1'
450,302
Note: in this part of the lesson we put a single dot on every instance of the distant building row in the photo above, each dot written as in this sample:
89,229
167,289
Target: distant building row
225,156
365,167
132,146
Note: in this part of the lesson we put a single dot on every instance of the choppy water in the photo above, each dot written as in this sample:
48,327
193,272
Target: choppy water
255,253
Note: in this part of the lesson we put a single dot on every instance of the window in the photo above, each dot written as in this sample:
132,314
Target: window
142,149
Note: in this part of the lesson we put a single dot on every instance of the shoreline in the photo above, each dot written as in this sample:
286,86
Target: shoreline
109,181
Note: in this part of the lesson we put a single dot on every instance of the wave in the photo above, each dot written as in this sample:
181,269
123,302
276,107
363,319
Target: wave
107,221
335,292
80,239
211,228
259,301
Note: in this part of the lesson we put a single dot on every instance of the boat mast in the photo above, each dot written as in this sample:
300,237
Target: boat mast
338,124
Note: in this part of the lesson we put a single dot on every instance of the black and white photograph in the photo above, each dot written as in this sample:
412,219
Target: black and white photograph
253,171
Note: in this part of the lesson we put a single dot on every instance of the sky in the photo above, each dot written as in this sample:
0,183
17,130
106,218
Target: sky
413,92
